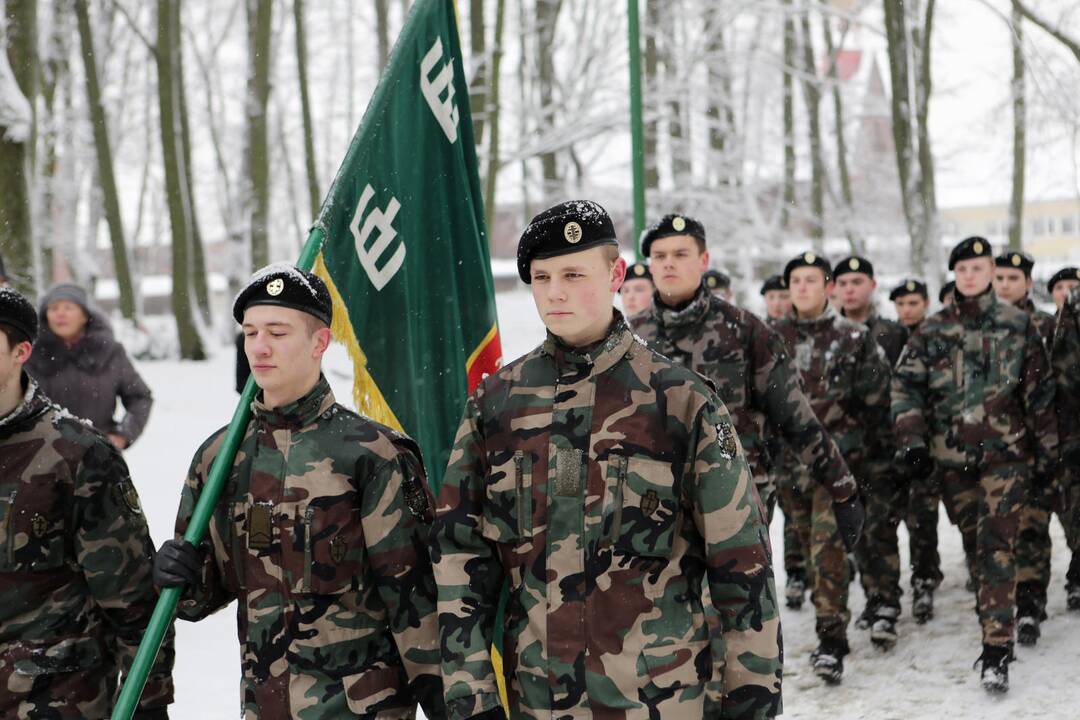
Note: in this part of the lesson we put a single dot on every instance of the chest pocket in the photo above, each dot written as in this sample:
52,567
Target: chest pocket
1007,359
508,506
32,528
323,548
644,505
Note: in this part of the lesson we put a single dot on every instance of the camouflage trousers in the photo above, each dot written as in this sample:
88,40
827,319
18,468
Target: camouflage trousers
1070,520
766,489
827,571
922,522
878,554
794,551
75,694
987,504
1033,547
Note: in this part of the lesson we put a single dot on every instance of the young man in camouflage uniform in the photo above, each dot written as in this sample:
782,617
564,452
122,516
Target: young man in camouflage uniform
846,376
320,533
884,491
740,354
605,484
1061,283
973,394
1066,362
637,291
75,554
911,299
1012,285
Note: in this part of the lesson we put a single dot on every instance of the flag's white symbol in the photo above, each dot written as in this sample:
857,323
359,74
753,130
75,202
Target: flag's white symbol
380,220
444,110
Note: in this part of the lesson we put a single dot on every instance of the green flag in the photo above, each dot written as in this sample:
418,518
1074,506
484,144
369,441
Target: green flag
405,253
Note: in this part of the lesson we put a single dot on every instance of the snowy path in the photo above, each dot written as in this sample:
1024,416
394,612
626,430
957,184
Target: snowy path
928,674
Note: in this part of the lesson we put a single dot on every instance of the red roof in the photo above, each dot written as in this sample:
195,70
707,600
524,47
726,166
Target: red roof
847,64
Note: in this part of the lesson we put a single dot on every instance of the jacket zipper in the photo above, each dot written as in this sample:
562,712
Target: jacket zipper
519,482
309,512
616,523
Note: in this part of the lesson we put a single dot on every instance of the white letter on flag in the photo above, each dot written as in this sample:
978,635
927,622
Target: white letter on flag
444,110
381,220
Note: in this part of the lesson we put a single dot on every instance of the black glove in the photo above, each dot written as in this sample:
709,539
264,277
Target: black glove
496,713
849,520
919,462
177,563
159,713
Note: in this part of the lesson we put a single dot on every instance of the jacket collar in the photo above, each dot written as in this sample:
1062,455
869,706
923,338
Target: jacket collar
594,359
976,306
298,413
33,404
825,318
689,314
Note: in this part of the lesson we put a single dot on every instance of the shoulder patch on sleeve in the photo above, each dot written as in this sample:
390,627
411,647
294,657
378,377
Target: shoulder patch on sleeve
416,498
725,438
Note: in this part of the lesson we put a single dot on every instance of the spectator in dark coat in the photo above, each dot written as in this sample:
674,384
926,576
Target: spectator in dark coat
80,365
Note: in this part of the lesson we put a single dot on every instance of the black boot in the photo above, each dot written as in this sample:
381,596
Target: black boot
1027,630
1072,596
865,621
795,589
828,660
1030,611
883,631
995,661
922,602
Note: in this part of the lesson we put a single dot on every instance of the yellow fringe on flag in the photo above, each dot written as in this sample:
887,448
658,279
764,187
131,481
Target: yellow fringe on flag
367,396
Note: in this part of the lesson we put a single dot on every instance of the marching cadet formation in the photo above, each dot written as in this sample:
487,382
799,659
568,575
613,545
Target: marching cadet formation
616,483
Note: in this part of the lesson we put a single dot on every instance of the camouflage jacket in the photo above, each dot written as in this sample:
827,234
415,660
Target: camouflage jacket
75,569
604,486
974,384
1044,321
754,376
321,534
1066,360
846,376
889,334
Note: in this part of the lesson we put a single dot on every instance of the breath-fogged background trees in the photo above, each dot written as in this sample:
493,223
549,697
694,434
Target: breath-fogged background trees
159,151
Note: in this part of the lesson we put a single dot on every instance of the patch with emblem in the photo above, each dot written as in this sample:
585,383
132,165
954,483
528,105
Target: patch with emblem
977,247
338,548
275,287
809,258
711,282
725,438
416,499
1016,260
39,525
126,497
572,233
260,532
639,270
650,503
911,285
678,224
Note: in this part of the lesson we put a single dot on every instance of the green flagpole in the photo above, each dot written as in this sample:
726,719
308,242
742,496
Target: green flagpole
636,134
200,519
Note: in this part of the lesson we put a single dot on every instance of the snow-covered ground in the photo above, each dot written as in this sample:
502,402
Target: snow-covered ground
927,675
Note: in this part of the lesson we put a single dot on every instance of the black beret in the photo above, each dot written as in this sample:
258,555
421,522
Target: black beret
18,313
806,259
286,286
716,280
853,264
1017,260
970,248
638,271
946,290
670,226
773,282
566,228
1065,273
911,286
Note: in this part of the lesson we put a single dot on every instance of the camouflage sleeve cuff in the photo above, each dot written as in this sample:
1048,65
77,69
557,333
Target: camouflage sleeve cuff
466,707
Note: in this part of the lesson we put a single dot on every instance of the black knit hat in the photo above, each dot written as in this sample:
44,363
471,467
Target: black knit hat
670,226
283,285
1017,260
807,259
716,280
638,271
853,264
18,313
969,249
911,286
946,290
1065,273
773,282
566,228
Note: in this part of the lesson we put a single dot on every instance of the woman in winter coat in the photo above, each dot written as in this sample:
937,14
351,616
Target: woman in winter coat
80,366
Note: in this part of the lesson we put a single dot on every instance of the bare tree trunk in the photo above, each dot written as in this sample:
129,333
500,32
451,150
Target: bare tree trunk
493,130
841,141
314,196
930,246
258,165
651,91
812,93
55,91
678,131
1016,203
17,153
109,196
479,86
524,35
176,189
382,31
547,15
789,115
721,111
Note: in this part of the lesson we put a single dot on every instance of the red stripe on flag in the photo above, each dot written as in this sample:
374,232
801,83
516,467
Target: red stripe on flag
485,359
